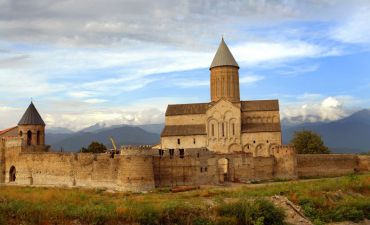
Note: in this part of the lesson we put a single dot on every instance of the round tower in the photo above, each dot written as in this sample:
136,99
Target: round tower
31,127
224,75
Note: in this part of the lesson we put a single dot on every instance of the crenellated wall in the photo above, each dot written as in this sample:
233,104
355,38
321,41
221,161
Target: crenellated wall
323,165
123,172
142,169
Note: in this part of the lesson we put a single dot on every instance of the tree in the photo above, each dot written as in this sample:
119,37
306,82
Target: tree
94,147
308,142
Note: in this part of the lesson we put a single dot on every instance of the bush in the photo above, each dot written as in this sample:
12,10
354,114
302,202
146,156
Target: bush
256,212
181,214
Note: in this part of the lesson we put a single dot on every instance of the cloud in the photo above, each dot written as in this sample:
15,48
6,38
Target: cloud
356,28
315,108
250,79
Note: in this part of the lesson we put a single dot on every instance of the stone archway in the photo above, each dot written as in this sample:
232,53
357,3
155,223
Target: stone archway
12,173
223,166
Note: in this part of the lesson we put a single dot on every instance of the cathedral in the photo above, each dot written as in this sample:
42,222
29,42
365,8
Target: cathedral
225,124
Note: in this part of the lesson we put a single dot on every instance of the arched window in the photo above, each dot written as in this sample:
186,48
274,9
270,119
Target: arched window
12,172
233,129
38,137
213,130
20,133
223,129
29,137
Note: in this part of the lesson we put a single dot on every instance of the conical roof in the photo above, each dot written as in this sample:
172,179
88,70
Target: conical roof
31,117
223,56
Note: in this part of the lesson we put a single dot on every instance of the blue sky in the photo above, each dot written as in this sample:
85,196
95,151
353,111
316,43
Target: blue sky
122,62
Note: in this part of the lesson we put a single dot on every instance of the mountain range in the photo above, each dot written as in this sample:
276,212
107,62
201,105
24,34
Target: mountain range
347,135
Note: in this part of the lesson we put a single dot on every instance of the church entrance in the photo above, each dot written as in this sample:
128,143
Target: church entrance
223,170
12,174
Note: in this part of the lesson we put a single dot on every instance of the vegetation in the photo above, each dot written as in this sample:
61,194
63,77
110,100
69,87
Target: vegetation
94,147
308,142
322,200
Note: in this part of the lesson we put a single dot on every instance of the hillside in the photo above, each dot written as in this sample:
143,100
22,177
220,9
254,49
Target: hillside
347,135
123,135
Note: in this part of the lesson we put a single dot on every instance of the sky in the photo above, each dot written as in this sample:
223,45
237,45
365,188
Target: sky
122,62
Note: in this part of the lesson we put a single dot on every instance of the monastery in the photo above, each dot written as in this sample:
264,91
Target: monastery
221,141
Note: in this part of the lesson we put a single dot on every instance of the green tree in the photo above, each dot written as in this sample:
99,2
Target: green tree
308,142
94,147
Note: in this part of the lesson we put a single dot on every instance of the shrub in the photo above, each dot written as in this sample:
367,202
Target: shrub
256,212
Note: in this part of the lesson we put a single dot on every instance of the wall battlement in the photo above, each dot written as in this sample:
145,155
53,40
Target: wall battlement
142,169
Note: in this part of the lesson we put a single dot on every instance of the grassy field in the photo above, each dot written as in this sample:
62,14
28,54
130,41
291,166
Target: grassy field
323,200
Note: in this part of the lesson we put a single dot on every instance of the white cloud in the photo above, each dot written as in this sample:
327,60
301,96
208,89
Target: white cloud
356,29
314,108
250,79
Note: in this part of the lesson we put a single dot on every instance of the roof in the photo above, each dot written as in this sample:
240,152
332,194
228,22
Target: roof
260,105
260,127
223,56
6,130
183,130
31,117
185,109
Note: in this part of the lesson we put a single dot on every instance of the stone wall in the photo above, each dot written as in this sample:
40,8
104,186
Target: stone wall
285,166
123,172
323,165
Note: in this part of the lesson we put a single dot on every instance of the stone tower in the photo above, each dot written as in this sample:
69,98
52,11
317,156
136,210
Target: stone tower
31,127
224,75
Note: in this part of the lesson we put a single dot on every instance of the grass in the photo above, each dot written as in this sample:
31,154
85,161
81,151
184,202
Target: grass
323,200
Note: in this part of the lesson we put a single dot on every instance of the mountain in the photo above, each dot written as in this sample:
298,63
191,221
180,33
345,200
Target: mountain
347,135
151,128
59,130
123,135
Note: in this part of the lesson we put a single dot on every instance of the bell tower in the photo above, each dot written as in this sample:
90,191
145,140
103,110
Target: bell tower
224,75
31,127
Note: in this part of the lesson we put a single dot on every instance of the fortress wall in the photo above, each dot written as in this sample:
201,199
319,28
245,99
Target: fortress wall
176,171
135,173
2,161
263,168
364,163
310,165
131,173
285,162
243,169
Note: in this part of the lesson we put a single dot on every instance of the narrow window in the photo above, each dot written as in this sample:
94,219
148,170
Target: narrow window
181,151
171,152
201,169
178,141
205,169
20,133
193,140
233,129
213,130
254,142
223,130
198,154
